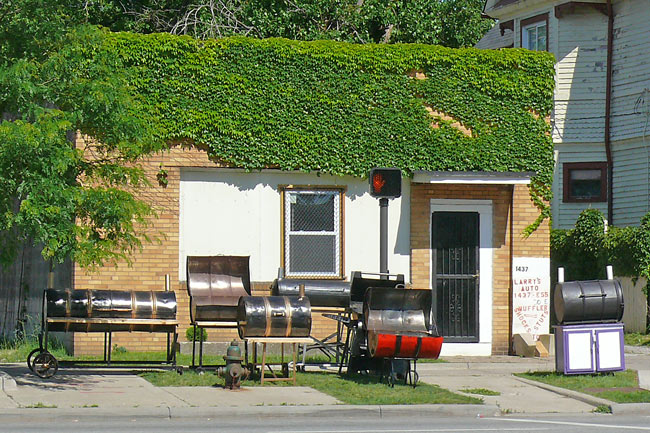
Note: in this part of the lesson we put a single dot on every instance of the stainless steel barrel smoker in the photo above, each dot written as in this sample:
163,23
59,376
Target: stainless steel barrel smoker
331,298
589,334
274,316
104,311
275,319
215,284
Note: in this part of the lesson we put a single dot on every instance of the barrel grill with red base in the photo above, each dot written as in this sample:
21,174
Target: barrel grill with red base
394,327
383,345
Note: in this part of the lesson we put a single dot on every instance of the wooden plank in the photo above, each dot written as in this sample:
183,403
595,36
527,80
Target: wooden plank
202,324
279,339
108,321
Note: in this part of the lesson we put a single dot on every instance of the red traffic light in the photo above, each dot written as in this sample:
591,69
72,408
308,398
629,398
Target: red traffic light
385,182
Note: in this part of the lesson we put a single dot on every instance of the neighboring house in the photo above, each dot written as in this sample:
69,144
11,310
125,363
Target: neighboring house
602,99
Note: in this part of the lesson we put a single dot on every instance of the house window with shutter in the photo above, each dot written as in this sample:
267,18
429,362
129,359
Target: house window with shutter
585,182
534,33
312,232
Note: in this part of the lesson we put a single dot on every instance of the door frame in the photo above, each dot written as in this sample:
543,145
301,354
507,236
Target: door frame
485,210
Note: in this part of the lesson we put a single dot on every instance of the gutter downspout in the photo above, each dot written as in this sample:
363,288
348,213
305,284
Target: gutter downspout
608,110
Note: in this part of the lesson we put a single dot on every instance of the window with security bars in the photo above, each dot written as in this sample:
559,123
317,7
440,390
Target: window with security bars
312,233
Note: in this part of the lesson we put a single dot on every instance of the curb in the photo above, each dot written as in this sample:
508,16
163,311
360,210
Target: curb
637,350
617,408
7,383
631,408
325,411
585,398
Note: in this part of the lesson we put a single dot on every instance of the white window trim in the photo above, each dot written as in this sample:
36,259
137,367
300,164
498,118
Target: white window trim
484,209
524,34
337,231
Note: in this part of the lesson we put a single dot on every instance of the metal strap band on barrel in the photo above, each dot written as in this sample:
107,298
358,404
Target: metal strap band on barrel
68,308
89,304
418,347
267,307
398,344
154,305
287,306
134,310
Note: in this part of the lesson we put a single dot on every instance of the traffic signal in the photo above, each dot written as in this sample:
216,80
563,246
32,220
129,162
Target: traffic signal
385,182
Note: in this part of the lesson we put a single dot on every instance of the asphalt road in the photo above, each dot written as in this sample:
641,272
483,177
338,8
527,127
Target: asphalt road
588,423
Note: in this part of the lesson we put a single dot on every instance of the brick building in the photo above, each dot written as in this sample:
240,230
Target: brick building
455,233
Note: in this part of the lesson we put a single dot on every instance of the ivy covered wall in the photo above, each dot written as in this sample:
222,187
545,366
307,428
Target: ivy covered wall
342,108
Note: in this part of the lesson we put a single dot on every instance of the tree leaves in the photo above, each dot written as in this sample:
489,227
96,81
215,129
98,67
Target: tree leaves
72,201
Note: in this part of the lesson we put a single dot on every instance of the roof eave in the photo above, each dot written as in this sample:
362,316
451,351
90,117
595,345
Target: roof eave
473,177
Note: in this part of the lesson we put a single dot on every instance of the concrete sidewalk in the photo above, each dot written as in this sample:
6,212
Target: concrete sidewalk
120,391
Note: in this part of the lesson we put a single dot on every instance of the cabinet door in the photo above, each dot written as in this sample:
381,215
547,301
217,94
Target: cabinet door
610,350
579,354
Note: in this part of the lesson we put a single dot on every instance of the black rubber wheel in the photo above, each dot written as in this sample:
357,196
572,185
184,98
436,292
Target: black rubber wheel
414,378
45,365
30,364
179,370
285,369
391,380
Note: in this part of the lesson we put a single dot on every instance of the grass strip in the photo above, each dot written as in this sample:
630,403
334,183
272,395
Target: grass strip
620,387
636,339
352,389
480,391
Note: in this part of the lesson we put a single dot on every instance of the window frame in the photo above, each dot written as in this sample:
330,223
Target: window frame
339,192
567,167
534,20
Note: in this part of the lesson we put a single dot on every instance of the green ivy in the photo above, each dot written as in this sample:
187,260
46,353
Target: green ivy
339,108
588,248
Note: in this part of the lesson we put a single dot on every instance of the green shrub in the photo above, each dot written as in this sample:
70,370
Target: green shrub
201,334
585,250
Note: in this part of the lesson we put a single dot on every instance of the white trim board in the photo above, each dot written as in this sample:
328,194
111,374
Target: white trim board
482,178
485,211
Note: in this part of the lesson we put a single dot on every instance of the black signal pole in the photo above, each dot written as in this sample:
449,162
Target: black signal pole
383,237
385,183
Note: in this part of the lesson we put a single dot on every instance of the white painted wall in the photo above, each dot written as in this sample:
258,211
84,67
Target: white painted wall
232,212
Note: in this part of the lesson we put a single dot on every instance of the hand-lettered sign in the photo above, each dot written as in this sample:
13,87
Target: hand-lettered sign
531,292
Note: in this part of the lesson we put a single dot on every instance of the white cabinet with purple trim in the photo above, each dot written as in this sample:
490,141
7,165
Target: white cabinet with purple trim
591,348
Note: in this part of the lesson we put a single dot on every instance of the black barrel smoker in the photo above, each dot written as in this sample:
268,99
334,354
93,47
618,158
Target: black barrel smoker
597,301
589,334
104,311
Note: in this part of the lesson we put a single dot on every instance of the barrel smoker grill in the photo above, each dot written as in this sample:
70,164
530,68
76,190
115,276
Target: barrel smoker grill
589,334
214,285
104,311
273,316
581,302
388,326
